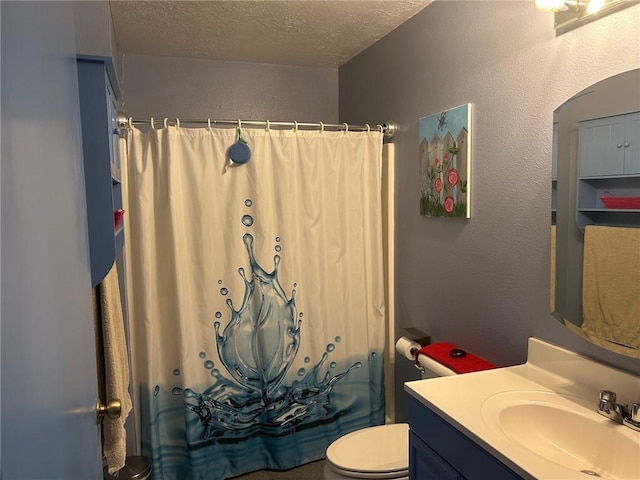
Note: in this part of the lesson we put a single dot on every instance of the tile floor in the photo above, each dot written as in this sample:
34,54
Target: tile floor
310,471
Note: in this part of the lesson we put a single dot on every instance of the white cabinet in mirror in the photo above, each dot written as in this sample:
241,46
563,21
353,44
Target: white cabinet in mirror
595,284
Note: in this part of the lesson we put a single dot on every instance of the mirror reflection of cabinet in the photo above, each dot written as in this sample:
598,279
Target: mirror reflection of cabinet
609,168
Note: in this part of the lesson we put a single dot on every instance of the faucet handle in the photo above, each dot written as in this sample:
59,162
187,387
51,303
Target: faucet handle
633,419
635,412
607,399
608,396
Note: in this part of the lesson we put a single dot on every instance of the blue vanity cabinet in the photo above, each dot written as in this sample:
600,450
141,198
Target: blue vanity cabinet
100,133
425,463
438,451
608,165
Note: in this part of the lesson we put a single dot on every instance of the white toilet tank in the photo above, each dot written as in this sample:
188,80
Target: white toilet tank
432,369
380,452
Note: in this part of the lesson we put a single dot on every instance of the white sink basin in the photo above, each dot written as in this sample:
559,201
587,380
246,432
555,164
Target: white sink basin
561,429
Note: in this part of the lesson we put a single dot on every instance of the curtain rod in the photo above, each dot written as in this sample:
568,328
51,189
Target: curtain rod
389,129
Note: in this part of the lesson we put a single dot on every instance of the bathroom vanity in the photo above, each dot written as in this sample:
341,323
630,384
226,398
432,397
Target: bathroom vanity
534,421
438,450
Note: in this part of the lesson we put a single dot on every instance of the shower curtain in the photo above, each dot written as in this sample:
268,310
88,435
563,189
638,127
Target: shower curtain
255,295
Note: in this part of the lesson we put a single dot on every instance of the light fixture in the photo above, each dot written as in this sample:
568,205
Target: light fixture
590,6
594,6
569,14
548,5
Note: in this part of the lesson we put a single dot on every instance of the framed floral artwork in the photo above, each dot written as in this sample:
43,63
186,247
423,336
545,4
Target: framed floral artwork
445,163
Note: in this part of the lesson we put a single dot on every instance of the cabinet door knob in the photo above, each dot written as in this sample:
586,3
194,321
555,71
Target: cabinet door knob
626,145
619,145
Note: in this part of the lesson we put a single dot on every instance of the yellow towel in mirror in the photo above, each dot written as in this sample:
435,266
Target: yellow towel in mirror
611,284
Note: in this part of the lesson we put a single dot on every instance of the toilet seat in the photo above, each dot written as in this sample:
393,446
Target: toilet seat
375,452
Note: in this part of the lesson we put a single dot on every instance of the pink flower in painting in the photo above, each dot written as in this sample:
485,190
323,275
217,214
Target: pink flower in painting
436,162
453,177
445,157
449,205
438,184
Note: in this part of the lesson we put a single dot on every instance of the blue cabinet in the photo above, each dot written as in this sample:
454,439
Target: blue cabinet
438,451
98,88
425,463
608,166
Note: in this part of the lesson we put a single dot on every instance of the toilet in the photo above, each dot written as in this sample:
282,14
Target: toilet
382,452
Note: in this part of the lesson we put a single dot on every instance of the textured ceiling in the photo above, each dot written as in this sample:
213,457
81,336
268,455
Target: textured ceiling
303,33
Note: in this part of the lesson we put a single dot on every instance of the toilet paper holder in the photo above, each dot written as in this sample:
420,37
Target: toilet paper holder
417,336
420,338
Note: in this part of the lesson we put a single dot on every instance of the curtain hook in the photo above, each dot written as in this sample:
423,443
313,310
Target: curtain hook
177,122
321,127
268,126
368,128
346,127
380,128
165,122
209,124
295,126
131,123
153,127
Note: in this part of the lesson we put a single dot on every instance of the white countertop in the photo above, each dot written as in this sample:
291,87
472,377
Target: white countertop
460,399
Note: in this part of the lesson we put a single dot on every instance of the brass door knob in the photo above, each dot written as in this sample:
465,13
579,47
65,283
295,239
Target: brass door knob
112,409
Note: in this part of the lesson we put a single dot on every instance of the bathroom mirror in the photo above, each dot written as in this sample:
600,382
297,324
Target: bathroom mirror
579,181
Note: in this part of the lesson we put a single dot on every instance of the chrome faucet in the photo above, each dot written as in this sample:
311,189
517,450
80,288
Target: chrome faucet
619,412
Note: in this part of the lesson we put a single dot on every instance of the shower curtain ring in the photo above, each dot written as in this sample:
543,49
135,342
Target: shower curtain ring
131,123
165,122
379,127
295,126
268,126
209,124
240,124
368,127
177,122
153,127
321,127
346,127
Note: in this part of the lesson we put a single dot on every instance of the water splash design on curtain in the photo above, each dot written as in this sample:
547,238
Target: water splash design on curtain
257,349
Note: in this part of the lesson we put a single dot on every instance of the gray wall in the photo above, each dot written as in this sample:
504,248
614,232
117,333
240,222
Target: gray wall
483,283
194,88
94,30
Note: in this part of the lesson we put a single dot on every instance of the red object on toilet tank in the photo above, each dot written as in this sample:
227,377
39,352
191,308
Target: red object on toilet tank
454,358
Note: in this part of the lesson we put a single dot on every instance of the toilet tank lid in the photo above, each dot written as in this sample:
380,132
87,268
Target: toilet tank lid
384,448
451,358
